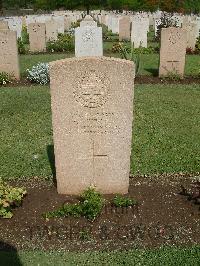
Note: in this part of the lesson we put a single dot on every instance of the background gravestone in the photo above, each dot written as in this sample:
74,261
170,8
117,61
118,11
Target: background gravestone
139,32
4,25
124,28
172,51
88,41
9,61
191,33
37,37
92,108
51,31
88,21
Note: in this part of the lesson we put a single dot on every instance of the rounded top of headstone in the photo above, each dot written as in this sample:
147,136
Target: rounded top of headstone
88,18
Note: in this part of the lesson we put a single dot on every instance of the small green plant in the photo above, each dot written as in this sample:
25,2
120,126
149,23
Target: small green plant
130,55
5,78
172,75
10,197
85,235
25,35
91,203
120,201
21,46
90,206
64,43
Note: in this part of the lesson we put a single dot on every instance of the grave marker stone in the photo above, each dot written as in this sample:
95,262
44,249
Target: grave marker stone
88,21
4,25
124,28
9,61
172,52
92,108
51,31
37,37
88,41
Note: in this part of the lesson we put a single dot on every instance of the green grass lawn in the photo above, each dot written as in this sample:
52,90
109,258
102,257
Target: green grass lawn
166,134
149,62
158,257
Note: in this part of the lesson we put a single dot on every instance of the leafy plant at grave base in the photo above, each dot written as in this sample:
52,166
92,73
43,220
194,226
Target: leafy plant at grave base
108,35
5,78
10,197
172,75
39,74
25,35
120,201
21,46
166,22
92,203
121,47
130,55
90,206
85,235
64,43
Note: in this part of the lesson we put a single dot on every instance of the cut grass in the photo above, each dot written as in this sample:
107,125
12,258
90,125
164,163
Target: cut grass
165,136
27,61
149,62
166,129
166,256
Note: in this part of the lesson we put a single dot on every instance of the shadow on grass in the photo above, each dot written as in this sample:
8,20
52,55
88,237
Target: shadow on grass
51,157
8,255
153,71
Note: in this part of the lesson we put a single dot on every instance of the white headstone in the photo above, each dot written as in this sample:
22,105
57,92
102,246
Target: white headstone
88,41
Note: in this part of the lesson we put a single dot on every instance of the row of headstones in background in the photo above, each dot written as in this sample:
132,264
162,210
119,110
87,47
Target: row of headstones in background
40,33
62,22
192,28
140,26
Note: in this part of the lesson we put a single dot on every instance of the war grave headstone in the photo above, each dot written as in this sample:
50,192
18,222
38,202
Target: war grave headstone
51,31
172,52
9,61
88,41
92,112
37,37
124,28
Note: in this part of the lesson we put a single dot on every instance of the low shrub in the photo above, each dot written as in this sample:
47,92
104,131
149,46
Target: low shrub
172,75
21,46
65,43
25,35
120,47
128,54
5,78
10,197
120,201
39,74
90,206
91,203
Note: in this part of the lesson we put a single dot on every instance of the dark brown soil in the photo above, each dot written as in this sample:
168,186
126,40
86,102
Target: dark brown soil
138,80
164,216
157,80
